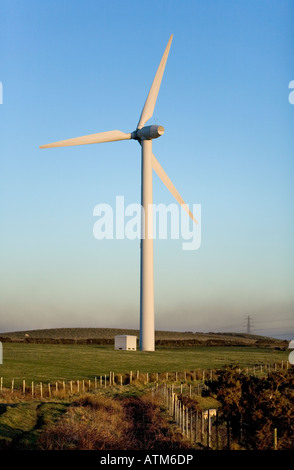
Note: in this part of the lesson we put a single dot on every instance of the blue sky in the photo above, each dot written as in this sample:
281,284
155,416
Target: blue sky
71,68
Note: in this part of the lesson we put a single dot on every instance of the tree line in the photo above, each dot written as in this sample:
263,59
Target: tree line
257,408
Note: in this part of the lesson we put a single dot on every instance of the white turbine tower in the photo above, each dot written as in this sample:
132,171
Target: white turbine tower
144,135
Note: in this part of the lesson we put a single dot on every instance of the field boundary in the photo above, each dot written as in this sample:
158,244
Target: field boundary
193,378
203,428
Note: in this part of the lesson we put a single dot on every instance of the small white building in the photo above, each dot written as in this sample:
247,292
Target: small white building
125,342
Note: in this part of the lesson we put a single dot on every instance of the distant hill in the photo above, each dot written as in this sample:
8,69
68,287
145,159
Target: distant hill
163,338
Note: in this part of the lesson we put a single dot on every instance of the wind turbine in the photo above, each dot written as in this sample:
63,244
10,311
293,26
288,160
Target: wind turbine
144,135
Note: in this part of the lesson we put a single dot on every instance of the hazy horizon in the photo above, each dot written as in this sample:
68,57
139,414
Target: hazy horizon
282,337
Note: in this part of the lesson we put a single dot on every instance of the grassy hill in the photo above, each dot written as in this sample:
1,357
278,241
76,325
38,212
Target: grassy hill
162,338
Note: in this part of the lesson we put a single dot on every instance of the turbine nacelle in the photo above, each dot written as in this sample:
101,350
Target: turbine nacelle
148,133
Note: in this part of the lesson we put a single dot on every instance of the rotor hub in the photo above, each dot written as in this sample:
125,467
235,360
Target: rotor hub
148,133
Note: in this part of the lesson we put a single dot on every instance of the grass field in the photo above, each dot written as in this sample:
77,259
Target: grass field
45,362
99,421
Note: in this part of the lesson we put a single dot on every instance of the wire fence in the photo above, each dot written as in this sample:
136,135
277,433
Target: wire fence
178,392
185,382
204,428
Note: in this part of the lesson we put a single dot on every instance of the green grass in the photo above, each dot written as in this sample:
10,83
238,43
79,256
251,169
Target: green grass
21,423
47,363
16,420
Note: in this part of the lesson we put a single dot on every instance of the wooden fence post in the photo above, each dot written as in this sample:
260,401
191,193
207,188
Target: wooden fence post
196,426
24,387
78,386
228,435
70,385
173,405
216,430
41,390
49,390
12,385
275,439
208,430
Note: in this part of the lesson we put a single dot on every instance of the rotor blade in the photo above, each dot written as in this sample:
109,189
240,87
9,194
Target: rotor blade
165,179
149,105
109,136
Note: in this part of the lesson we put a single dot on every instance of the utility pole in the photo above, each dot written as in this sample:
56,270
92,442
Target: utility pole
248,325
